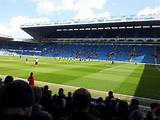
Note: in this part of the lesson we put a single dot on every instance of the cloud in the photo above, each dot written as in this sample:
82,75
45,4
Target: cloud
84,13
150,11
105,14
47,6
82,8
90,4
13,28
86,9
89,14
3,30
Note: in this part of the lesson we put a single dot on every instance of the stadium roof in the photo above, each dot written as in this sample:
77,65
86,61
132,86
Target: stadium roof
113,19
137,29
5,38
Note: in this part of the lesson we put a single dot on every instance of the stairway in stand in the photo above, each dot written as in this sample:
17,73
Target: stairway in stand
155,55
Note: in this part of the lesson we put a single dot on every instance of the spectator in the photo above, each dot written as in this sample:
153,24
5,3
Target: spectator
110,106
81,99
69,98
110,96
121,110
69,104
8,79
97,107
46,98
61,101
54,107
135,112
156,113
16,100
46,91
37,112
149,115
110,109
31,79
1,82
61,92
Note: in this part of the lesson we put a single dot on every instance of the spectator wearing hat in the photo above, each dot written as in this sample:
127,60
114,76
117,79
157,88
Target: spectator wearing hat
16,100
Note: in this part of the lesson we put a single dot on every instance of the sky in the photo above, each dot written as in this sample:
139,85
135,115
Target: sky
14,13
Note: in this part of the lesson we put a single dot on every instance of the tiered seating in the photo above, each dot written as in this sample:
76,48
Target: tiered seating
158,48
142,53
122,52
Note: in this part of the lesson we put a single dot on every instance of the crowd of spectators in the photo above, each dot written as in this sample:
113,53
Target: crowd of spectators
21,101
116,52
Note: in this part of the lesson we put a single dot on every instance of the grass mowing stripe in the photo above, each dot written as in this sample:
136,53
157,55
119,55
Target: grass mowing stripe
129,84
120,77
99,80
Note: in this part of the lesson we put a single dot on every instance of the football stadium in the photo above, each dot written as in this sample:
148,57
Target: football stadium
117,54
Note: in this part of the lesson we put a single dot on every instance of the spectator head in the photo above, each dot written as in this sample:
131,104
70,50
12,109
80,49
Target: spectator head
134,103
82,98
61,93
110,94
46,87
122,106
8,79
69,94
31,73
16,98
99,100
38,94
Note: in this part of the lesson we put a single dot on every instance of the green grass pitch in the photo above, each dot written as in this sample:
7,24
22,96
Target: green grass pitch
123,78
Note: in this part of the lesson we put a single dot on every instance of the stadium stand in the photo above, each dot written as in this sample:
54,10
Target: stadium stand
158,54
126,53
